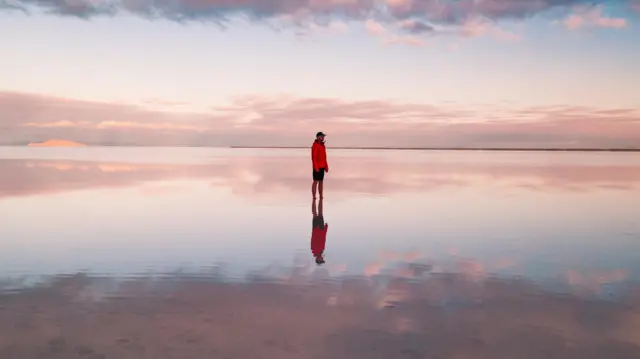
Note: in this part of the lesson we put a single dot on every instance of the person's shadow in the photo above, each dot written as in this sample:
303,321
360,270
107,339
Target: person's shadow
318,232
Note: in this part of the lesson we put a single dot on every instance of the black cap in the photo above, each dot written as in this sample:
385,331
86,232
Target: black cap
320,134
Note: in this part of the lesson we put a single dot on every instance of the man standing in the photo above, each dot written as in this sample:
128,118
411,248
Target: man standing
320,165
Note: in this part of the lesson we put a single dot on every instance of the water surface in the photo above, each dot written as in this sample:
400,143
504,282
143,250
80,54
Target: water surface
181,252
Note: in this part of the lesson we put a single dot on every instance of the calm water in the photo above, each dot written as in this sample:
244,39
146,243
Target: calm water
205,253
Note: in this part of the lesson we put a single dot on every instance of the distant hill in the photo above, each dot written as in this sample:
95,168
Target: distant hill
56,143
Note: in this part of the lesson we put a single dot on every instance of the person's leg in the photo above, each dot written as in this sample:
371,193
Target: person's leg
320,181
314,188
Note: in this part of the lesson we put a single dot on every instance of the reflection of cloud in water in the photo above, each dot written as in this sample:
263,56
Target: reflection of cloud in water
117,168
441,315
282,176
593,280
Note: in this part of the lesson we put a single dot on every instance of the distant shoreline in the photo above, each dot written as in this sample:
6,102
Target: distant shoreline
363,148
454,149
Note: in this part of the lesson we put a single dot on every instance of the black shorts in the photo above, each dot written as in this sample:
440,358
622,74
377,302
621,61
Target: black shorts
319,175
318,222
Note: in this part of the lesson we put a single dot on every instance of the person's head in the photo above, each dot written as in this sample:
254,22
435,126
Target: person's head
320,136
320,259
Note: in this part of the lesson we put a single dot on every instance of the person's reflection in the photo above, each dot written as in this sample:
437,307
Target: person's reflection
318,232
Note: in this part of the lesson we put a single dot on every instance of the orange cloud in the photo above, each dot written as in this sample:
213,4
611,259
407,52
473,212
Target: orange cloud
57,143
117,167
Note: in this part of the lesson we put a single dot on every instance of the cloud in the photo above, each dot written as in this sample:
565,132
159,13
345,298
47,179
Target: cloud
301,13
416,27
592,17
594,280
287,121
404,40
391,38
477,27
471,27
375,27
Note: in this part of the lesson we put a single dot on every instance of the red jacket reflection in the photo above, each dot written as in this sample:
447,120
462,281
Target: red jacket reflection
318,240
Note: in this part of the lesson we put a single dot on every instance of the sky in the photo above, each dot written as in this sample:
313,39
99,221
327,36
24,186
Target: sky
404,73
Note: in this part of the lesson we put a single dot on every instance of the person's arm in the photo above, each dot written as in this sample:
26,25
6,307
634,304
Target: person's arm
326,161
314,157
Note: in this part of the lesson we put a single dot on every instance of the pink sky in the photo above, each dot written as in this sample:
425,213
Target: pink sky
400,73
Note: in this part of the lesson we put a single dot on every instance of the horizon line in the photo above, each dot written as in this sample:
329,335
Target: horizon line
548,149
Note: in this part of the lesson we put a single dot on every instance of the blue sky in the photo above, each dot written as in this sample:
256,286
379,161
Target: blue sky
416,72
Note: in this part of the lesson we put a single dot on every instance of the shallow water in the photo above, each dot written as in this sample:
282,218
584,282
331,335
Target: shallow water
205,253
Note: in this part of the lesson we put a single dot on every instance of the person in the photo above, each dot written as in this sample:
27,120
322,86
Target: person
318,232
320,165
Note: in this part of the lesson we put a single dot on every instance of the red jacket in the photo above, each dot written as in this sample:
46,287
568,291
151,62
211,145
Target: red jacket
319,155
318,240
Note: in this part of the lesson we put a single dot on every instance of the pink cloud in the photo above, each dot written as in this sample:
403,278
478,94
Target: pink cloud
53,124
375,27
165,103
481,27
405,40
592,17
504,35
289,120
114,124
151,126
